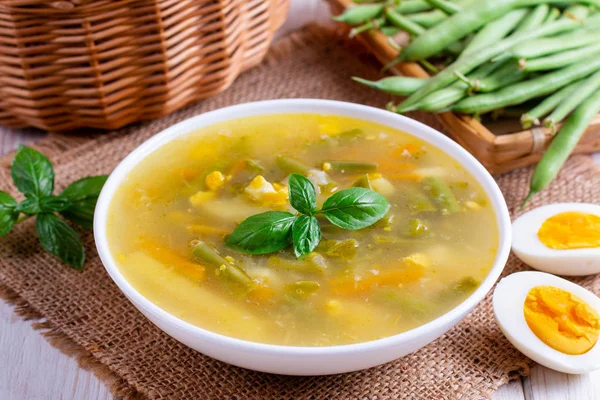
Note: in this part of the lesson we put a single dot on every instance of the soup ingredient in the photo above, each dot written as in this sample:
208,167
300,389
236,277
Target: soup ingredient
563,144
445,6
561,320
352,209
571,230
562,238
33,176
547,105
549,319
398,85
558,60
407,268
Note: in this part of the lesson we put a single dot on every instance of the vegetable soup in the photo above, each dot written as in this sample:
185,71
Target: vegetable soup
302,229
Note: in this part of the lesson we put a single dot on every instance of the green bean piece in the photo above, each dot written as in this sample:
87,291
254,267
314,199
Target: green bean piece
521,92
466,65
412,6
363,182
223,268
460,25
507,74
429,18
291,166
584,89
445,6
402,22
494,31
254,165
418,202
301,289
416,227
390,30
441,194
533,19
351,167
397,85
546,106
459,289
563,144
553,15
344,249
375,23
350,135
360,14
559,60
544,46
306,265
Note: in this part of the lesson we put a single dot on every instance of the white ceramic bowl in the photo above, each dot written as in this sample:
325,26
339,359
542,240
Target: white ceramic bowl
293,360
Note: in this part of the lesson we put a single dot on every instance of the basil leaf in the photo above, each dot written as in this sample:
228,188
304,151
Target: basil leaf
54,204
306,234
60,239
355,208
29,206
303,196
263,233
8,215
32,173
83,195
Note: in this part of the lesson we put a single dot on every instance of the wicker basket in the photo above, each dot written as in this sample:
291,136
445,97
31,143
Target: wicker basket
107,63
500,146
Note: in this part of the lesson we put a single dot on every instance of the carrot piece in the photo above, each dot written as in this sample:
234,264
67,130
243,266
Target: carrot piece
180,264
207,230
350,286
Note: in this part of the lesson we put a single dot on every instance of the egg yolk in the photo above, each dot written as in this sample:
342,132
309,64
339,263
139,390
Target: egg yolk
561,320
571,230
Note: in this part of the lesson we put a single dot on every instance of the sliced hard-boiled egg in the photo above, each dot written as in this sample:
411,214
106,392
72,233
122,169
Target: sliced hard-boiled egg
562,239
551,320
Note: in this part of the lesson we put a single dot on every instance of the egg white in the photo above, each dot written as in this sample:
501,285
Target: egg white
528,247
508,301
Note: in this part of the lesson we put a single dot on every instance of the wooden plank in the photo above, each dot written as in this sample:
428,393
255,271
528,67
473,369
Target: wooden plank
510,391
546,384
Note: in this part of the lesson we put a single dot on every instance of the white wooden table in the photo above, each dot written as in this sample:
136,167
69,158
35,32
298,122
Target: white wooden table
31,369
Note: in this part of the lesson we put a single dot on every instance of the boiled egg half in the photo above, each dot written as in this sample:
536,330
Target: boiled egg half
562,238
551,320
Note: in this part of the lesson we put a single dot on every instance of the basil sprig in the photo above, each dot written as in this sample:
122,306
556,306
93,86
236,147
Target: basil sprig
33,176
352,209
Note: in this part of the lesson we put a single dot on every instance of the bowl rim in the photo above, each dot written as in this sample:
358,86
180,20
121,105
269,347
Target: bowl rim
306,106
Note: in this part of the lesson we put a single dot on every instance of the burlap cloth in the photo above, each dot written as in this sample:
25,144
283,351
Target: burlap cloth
85,315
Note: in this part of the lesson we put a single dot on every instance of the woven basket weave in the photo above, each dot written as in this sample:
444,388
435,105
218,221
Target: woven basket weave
106,63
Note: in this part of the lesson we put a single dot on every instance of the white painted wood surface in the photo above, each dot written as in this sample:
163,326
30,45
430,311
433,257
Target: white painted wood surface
31,369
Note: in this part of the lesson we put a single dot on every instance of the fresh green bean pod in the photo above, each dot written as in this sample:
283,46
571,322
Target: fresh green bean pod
542,47
223,268
390,30
507,74
466,65
363,182
553,15
375,23
402,22
441,194
397,85
351,167
560,60
494,31
429,18
291,166
360,14
469,20
533,19
584,89
445,6
546,106
412,6
521,92
563,144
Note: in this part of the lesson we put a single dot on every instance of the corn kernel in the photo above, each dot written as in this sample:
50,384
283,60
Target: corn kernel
215,180
201,197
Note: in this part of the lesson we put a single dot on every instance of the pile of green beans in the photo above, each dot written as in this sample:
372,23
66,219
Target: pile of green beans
541,56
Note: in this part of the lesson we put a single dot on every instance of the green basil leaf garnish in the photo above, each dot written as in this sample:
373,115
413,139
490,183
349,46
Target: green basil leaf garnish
54,204
32,173
8,215
303,196
355,208
263,233
306,234
60,239
83,195
29,206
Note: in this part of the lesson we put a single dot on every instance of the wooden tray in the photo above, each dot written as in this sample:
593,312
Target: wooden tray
499,146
